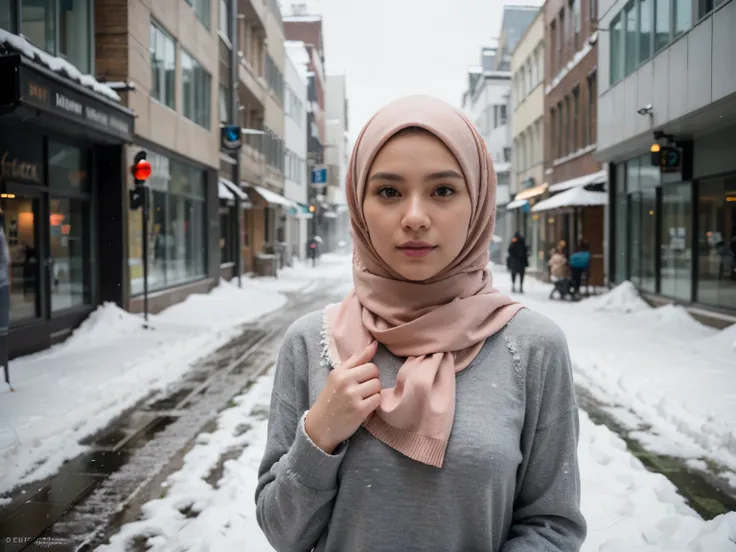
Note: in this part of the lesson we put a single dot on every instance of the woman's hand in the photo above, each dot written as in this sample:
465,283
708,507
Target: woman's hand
351,394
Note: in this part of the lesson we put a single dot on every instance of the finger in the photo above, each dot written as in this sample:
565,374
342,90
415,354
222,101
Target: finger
363,372
368,388
372,403
366,355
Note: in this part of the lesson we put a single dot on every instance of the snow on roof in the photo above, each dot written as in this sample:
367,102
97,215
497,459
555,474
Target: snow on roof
302,18
475,69
56,64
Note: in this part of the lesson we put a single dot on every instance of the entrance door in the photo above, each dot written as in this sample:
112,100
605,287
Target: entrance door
21,219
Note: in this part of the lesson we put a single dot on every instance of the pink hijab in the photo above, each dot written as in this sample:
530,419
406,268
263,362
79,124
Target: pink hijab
439,325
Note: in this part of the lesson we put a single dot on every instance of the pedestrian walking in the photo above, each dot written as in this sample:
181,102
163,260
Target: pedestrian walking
518,260
425,411
4,299
579,265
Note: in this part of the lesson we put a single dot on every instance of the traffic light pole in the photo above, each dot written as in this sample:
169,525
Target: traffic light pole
234,116
144,216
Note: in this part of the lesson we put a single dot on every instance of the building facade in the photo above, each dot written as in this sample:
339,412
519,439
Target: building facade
296,186
571,168
527,124
668,76
336,159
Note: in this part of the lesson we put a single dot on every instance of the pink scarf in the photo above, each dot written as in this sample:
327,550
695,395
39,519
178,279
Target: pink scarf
439,325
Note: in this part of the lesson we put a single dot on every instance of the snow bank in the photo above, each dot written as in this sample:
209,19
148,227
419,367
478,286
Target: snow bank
621,299
75,389
675,320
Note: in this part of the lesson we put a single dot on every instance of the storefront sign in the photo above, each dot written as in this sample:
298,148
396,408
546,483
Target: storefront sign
12,168
50,94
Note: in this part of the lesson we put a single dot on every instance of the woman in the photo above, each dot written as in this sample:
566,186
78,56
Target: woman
4,299
579,265
518,260
425,411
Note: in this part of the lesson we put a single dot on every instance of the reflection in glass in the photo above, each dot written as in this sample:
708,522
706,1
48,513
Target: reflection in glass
630,58
69,267
683,15
661,24
68,167
645,29
633,187
38,19
21,214
648,226
717,242
676,241
74,33
622,223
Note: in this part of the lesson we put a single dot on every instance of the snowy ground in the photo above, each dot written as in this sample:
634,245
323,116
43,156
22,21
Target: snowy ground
74,389
634,361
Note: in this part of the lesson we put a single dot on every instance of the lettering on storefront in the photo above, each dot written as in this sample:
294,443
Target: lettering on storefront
14,169
68,105
40,93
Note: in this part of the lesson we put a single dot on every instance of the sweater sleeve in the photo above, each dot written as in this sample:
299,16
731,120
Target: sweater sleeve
297,481
547,514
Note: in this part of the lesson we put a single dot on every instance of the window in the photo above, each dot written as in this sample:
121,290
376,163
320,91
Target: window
661,24
716,283
68,167
224,101
225,19
507,155
593,10
575,24
502,110
675,250
621,213
645,29
575,117
617,49
163,66
592,107
704,7
630,39
177,229
683,15
202,11
562,38
68,228
7,15
553,55
568,126
61,28
197,85
275,79
642,180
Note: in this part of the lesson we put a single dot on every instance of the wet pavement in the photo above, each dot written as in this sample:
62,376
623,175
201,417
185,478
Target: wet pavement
79,507
707,494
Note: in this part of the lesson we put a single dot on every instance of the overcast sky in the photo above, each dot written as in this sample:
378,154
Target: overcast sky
390,48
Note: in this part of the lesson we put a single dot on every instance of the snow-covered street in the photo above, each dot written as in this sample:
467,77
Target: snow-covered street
658,366
659,371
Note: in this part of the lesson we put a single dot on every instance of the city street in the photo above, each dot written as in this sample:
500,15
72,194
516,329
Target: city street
623,360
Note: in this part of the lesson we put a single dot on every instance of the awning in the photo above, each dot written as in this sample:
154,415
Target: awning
574,197
223,192
234,189
516,204
593,178
272,197
531,192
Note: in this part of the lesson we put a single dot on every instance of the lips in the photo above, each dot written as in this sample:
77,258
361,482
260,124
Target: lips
416,248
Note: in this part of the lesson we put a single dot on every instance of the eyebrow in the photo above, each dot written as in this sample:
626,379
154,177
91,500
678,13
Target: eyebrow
398,178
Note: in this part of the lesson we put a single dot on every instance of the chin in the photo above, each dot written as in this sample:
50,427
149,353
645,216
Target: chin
417,273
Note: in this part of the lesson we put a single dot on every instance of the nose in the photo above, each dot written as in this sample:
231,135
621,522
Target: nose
415,217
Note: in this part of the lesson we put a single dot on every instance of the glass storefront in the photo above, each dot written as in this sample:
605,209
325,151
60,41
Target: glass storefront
656,244
177,230
21,217
716,284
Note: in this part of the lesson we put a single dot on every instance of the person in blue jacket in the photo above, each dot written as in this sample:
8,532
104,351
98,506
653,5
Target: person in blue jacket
579,263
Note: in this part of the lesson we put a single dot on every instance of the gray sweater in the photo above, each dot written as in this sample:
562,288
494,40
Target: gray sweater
510,482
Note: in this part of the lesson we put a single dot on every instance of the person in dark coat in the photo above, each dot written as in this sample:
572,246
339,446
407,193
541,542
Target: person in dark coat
517,260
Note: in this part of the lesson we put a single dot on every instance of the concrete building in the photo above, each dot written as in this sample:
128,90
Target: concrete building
302,24
527,129
577,209
667,75
337,152
296,185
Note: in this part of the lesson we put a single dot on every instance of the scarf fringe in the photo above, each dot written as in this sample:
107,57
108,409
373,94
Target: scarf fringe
426,450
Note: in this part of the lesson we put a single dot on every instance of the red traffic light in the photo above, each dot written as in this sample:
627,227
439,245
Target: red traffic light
142,170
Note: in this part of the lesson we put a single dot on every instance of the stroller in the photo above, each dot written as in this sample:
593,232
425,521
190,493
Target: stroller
563,287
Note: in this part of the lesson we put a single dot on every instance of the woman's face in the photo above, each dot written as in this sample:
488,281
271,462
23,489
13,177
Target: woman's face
417,205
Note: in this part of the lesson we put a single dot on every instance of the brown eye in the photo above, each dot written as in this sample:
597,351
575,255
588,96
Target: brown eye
445,191
388,192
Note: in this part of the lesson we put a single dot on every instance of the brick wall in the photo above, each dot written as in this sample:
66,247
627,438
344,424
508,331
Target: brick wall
111,40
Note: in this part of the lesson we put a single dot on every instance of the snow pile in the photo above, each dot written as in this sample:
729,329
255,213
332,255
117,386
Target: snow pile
676,321
724,340
56,64
76,388
621,299
627,508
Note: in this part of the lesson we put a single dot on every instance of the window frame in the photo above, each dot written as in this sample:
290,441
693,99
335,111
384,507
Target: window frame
155,26
192,112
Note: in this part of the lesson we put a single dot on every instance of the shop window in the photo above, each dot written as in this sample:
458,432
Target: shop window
177,232
20,220
163,66
227,230
716,283
621,209
68,167
68,230
675,251
197,85
641,181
